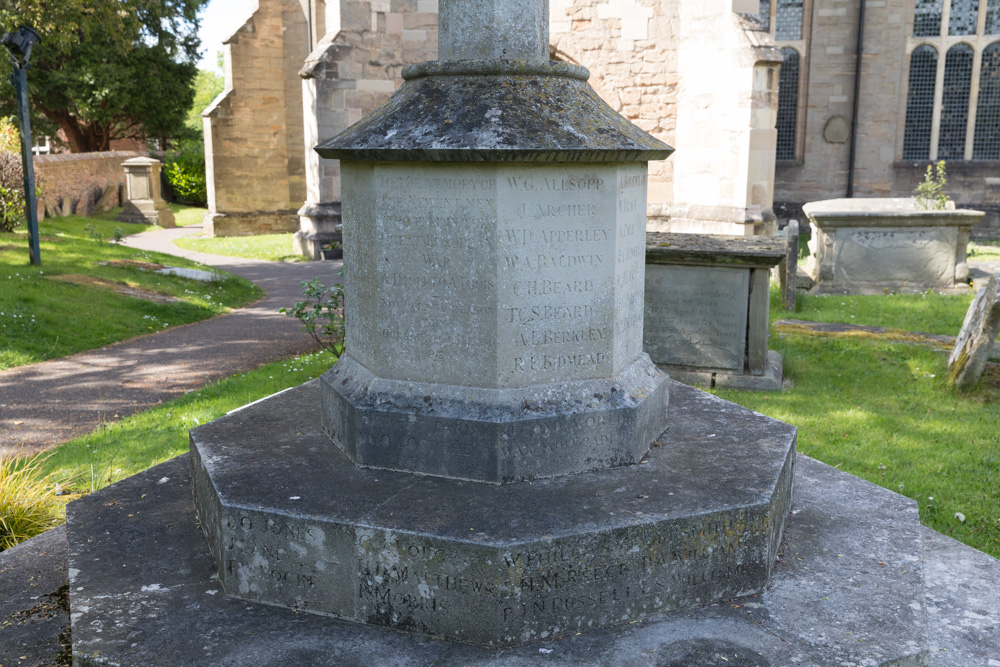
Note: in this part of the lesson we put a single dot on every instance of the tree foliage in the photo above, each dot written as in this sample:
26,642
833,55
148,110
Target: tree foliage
112,69
207,86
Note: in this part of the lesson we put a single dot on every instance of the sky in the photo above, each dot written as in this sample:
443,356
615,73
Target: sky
219,20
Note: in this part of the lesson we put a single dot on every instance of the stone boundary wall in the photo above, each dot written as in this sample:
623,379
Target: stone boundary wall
77,183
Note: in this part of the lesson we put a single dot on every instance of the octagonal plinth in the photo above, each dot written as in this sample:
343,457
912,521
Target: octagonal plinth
290,525
494,435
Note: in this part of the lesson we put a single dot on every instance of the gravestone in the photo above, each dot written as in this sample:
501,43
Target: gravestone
868,246
495,211
975,340
788,268
706,309
144,204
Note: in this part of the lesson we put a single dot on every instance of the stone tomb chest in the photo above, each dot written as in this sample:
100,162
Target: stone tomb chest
871,245
706,309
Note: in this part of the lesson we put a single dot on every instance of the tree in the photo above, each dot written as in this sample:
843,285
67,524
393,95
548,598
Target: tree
108,70
207,86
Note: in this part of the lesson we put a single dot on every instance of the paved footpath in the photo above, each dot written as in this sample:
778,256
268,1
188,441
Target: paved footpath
45,404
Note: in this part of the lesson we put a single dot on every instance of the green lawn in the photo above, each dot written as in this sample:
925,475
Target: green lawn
185,216
268,247
42,317
875,409
148,438
883,412
927,312
984,250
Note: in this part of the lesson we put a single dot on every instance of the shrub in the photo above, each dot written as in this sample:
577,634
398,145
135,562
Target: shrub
10,137
185,172
322,314
11,191
930,193
27,502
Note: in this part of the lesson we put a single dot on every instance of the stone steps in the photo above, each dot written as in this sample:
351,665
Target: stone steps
858,582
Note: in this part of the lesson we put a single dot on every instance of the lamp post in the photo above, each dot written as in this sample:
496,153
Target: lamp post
19,45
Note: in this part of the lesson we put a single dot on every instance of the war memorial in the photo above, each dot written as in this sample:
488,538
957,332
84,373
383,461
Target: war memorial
494,472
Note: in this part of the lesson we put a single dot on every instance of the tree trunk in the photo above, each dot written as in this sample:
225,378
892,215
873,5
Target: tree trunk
82,137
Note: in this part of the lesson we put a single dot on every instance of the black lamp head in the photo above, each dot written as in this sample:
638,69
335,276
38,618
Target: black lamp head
20,42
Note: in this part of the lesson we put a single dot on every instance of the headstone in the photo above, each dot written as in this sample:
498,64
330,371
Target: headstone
143,203
975,341
790,266
108,199
495,215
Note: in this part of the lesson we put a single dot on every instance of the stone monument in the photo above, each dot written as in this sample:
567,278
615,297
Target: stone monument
144,204
975,340
868,246
706,309
495,211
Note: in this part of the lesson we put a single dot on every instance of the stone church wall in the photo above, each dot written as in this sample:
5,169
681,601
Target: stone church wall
255,165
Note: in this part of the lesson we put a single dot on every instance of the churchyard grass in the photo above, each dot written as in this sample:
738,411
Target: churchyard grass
137,442
985,250
268,247
185,216
882,410
43,317
927,312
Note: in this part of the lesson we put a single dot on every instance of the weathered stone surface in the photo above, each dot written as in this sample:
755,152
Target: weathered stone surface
961,589
510,292
975,340
108,200
494,435
713,250
851,569
495,111
790,267
144,203
493,29
771,380
870,245
696,316
295,526
706,309
34,619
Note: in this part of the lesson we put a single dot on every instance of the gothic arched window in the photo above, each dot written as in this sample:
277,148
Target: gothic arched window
986,143
964,17
788,104
927,18
920,104
788,20
955,102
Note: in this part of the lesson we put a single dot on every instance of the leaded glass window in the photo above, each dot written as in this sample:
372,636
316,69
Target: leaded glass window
955,102
993,17
927,18
964,17
920,104
765,13
986,143
788,104
788,20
